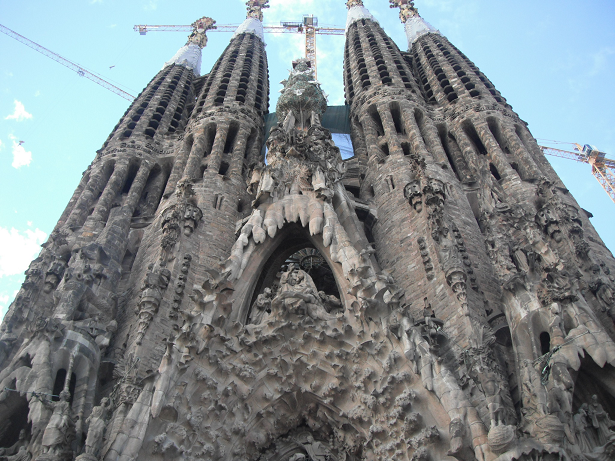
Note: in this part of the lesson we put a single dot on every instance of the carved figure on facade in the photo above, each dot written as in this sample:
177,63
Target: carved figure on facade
602,288
59,432
97,423
54,274
156,281
594,431
17,451
298,295
414,193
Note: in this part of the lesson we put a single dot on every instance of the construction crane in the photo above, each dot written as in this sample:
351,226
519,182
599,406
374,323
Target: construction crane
602,168
309,26
65,62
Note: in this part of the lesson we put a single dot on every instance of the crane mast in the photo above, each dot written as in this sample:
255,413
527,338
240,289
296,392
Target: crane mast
65,62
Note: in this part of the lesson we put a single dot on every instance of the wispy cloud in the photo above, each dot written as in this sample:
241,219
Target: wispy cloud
19,114
1,145
600,60
21,157
17,249
92,2
150,5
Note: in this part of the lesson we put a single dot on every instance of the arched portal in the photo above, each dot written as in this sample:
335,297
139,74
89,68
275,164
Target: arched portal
291,244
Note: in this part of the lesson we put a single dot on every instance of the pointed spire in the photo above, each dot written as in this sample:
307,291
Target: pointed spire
254,19
189,55
415,25
356,12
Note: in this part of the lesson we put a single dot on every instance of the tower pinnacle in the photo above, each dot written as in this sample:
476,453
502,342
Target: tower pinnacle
407,9
254,19
255,8
199,31
415,25
356,12
189,55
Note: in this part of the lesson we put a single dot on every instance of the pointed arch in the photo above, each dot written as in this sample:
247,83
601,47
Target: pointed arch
272,252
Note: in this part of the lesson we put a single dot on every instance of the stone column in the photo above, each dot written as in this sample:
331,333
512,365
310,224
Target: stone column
95,185
138,185
374,153
432,138
196,155
179,166
113,187
239,151
526,163
496,155
217,149
414,132
390,131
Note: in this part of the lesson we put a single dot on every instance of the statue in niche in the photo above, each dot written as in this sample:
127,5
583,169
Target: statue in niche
261,307
298,295
97,423
59,431
600,420
583,436
22,442
594,433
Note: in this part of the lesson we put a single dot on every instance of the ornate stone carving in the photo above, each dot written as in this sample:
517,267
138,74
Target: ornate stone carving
156,281
414,193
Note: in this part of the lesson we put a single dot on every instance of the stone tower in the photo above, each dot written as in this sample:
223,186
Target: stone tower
438,296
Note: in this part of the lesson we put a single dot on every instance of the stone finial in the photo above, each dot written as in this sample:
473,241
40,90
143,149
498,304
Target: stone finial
256,7
352,3
407,9
199,31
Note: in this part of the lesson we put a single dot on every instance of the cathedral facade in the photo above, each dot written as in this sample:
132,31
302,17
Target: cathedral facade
224,286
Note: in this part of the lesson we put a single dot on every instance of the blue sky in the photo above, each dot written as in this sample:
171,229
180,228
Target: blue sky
553,60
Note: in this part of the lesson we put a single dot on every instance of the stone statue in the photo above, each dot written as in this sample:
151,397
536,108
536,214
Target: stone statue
298,295
13,449
97,422
600,421
58,432
261,307
22,455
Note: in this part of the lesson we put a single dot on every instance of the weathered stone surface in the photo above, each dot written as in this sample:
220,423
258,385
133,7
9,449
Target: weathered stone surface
438,296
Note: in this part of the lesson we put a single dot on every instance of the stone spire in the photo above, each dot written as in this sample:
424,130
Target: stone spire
415,25
356,12
254,19
189,55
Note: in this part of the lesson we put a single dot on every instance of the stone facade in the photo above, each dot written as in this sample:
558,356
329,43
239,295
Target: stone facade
438,296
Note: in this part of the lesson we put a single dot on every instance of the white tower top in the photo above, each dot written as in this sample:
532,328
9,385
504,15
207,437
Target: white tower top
190,54
251,26
414,25
356,12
